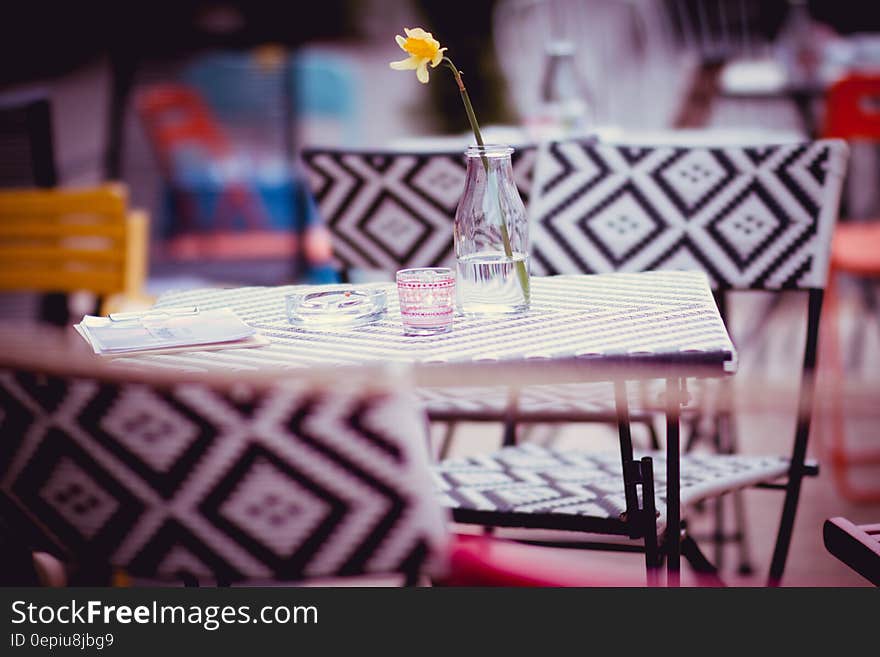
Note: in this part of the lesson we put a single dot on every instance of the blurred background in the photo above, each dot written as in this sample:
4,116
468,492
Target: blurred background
201,108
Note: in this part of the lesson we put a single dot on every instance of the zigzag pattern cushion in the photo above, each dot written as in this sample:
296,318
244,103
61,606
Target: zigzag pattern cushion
392,210
751,218
531,479
282,483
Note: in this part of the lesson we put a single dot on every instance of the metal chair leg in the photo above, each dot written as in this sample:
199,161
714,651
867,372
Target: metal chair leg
740,523
725,439
745,566
446,441
718,537
673,482
706,571
649,522
510,419
509,436
799,452
653,435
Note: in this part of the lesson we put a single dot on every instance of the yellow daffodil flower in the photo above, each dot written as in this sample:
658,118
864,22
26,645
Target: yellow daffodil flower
423,49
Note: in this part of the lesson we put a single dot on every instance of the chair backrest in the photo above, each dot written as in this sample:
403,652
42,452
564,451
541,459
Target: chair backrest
66,240
27,156
390,210
750,217
325,98
853,108
220,479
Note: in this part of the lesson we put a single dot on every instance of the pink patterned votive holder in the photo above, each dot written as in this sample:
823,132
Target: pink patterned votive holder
427,300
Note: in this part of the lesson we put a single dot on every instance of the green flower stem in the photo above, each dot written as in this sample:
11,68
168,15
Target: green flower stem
521,272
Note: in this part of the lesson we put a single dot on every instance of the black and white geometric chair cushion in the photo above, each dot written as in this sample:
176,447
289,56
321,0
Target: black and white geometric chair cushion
229,482
569,485
750,217
392,210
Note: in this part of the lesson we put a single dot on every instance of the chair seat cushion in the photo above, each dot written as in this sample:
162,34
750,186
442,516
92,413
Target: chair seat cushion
533,479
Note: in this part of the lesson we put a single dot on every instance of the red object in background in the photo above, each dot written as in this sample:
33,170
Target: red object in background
174,113
853,108
176,116
852,113
482,561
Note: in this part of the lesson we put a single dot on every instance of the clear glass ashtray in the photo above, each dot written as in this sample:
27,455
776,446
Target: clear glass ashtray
337,307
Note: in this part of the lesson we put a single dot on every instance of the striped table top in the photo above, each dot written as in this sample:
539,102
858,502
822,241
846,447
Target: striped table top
653,317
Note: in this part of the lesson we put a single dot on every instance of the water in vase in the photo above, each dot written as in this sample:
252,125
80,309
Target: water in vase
492,283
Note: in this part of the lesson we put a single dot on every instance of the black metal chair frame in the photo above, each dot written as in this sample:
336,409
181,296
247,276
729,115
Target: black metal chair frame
641,522
858,546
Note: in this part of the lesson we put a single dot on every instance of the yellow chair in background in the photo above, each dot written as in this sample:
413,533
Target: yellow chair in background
75,239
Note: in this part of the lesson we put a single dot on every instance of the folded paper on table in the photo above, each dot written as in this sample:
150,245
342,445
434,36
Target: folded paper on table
178,329
255,340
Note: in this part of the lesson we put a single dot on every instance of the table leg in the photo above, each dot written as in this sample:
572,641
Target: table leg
803,102
510,423
673,483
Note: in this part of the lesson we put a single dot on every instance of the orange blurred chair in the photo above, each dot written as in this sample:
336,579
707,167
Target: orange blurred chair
853,113
70,240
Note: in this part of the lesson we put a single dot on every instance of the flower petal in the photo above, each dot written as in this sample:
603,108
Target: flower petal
418,33
400,40
407,64
437,58
422,71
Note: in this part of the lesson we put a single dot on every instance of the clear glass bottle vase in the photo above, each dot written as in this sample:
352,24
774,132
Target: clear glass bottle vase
491,236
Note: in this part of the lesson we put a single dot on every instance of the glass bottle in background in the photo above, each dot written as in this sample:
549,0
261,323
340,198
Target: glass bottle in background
797,47
564,109
491,236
